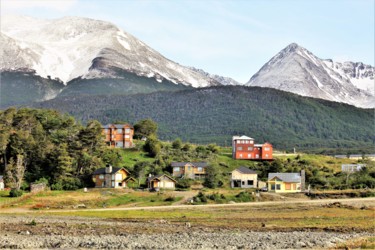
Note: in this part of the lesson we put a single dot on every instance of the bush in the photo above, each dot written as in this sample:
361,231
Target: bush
15,193
184,183
170,198
244,197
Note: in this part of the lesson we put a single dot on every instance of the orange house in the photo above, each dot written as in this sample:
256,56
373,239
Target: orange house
118,135
244,148
111,177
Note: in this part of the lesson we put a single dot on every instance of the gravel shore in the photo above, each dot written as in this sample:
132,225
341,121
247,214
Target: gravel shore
27,232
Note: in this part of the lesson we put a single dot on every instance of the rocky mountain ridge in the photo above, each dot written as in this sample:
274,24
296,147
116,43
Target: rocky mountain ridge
74,47
295,69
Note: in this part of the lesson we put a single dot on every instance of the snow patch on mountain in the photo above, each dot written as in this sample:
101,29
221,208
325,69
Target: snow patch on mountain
221,79
297,70
72,47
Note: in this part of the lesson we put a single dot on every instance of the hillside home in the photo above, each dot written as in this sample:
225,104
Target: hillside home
118,135
244,148
2,186
351,168
190,170
112,177
244,177
286,182
161,181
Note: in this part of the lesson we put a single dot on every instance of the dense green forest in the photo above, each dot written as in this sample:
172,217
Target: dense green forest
45,146
215,114
39,145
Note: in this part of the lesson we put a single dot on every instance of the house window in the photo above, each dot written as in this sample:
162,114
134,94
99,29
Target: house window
119,177
246,142
119,130
101,177
113,184
250,148
266,149
240,155
267,155
200,169
120,184
256,156
243,183
119,144
288,186
239,148
127,131
113,177
272,186
176,169
250,182
127,136
278,187
127,144
106,131
251,142
248,155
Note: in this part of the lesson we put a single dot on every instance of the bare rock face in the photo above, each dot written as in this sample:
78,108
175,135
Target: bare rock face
297,70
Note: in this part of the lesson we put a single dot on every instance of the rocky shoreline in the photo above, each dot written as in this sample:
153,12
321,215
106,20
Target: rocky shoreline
41,232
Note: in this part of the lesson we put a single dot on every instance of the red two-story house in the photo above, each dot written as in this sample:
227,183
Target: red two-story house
244,148
119,135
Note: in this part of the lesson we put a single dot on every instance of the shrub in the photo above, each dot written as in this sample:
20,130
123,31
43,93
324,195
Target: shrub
244,197
15,193
183,183
170,198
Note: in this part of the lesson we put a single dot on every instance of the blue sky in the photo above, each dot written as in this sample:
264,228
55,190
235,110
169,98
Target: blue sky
229,38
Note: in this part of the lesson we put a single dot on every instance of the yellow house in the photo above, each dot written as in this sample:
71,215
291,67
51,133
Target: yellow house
285,182
244,177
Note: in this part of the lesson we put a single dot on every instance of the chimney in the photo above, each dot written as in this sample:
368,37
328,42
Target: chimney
108,169
303,180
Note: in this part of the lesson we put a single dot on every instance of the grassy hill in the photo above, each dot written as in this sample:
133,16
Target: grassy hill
214,115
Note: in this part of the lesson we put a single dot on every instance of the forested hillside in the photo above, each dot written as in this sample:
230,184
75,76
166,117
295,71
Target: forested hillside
214,115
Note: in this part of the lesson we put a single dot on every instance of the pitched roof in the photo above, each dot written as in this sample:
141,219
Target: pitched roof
246,170
114,170
158,177
242,137
117,125
182,164
286,177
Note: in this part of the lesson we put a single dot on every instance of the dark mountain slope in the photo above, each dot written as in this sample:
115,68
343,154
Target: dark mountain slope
215,114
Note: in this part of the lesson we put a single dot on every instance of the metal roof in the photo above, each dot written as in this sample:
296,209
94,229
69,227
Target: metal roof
286,177
246,170
243,137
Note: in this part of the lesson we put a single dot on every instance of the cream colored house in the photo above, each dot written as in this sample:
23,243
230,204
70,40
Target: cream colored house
161,181
244,177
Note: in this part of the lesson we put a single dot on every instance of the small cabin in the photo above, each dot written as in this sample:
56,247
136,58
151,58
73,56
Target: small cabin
161,181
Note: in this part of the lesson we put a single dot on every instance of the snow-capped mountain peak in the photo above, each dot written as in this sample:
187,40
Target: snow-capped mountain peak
73,47
297,70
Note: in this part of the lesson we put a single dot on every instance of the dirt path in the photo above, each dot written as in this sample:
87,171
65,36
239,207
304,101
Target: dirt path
348,201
